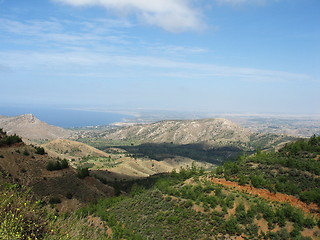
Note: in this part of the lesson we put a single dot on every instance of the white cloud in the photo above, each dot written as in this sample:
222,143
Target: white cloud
242,2
106,65
171,15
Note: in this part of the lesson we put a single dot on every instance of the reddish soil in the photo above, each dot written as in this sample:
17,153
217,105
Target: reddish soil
266,194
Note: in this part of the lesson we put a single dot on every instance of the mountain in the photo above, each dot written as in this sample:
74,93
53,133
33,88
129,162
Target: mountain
29,127
182,132
210,132
206,140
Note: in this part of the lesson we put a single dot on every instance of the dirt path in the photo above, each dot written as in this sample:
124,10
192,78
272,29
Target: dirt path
266,194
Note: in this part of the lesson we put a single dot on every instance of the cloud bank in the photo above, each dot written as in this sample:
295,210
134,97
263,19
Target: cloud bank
243,2
171,15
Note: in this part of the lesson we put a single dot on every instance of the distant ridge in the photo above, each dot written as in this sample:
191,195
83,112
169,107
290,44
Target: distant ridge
183,131
29,127
211,132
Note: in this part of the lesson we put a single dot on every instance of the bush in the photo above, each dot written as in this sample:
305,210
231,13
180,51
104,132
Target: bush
19,217
26,153
54,200
136,189
82,173
309,223
9,140
57,165
40,151
311,196
232,227
69,195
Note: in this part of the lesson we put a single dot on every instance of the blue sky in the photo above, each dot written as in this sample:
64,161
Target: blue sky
230,56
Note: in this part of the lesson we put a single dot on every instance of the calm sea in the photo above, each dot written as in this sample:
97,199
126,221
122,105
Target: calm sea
66,118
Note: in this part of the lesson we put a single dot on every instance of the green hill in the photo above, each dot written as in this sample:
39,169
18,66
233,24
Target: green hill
269,195
294,170
187,205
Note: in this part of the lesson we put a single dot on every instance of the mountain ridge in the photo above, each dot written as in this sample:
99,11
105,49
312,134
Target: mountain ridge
210,132
29,127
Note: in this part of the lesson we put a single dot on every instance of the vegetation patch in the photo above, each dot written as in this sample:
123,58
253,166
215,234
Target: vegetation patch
8,140
57,165
186,206
294,170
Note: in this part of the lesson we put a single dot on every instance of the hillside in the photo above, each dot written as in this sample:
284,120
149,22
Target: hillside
182,132
28,126
69,149
294,170
209,132
115,163
271,195
205,140
264,196
29,166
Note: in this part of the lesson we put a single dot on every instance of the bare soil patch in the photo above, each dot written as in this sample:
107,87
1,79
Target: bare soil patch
266,194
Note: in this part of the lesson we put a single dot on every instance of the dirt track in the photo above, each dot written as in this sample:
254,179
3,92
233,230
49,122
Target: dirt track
266,194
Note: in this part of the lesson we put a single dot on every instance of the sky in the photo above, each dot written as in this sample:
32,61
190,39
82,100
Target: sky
219,56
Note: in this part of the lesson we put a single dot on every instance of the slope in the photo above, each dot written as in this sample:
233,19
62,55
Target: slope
29,127
208,132
188,205
26,165
113,164
294,170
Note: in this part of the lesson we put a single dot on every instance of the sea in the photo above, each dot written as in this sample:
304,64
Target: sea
66,118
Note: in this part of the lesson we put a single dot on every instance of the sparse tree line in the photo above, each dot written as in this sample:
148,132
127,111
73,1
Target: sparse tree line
8,140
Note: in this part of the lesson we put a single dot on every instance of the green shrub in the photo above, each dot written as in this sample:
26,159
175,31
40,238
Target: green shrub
10,140
136,189
19,217
83,172
311,196
232,227
309,223
40,151
57,165
69,195
54,200
26,153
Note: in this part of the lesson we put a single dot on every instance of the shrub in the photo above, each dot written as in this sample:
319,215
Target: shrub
64,164
309,223
19,217
136,189
232,227
9,140
69,195
57,165
311,196
54,200
26,153
82,173
40,151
